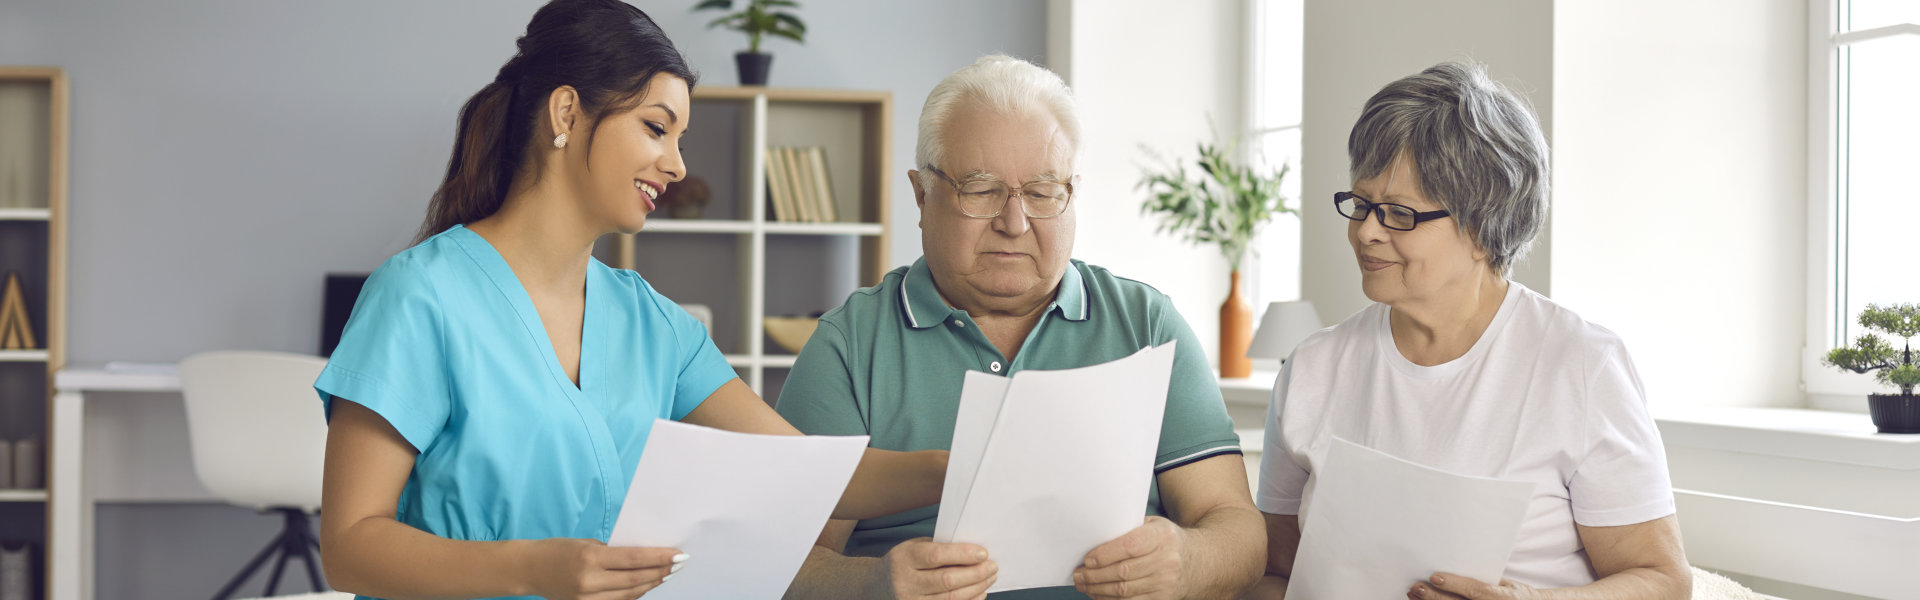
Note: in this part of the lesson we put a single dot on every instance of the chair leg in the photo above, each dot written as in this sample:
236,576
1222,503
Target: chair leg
295,538
246,572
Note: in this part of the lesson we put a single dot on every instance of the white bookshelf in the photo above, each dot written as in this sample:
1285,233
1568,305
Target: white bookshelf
854,128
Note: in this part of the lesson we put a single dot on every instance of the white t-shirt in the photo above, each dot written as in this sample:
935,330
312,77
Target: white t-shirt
1542,396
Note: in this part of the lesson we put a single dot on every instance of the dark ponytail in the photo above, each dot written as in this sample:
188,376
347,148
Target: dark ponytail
606,49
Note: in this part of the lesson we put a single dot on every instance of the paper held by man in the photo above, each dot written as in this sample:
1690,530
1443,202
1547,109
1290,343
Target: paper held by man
743,542
1375,525
1048,465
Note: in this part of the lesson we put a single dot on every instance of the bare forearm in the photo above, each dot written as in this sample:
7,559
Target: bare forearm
1224,554
888,482
829,575
1631,584
384,558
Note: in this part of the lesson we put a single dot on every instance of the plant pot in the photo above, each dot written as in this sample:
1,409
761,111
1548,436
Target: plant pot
753,67
1236,333
1895,413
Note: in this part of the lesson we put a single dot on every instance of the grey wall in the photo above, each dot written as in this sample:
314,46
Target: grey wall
227,154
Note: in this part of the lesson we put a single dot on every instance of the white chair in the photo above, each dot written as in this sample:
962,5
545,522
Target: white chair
259,440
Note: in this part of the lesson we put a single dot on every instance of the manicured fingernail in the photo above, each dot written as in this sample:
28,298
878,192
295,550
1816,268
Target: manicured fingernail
680,558
982,554
1439,580
676,568
664,579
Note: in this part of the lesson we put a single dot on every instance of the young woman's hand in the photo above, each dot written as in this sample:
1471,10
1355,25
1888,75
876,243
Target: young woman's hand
574,569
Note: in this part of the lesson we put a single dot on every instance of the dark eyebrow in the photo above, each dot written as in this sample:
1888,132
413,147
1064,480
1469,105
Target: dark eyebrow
672,117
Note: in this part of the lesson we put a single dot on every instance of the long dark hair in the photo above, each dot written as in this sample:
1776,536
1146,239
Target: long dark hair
606,49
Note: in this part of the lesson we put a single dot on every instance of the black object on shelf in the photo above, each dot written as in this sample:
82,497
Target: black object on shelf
343,289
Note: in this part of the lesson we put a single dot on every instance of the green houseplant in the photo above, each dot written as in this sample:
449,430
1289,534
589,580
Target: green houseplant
1225,204
757,19
1892,413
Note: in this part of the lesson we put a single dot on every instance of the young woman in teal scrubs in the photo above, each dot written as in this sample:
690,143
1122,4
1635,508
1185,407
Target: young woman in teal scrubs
491,394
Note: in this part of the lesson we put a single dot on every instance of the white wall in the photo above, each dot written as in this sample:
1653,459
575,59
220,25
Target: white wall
1355,47
1680,170
1145,75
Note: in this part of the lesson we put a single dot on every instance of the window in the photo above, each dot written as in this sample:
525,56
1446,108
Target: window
1274,72
1864,144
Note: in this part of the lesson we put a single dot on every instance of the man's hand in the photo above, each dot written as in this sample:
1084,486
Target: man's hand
1145,563
921,569
1447,586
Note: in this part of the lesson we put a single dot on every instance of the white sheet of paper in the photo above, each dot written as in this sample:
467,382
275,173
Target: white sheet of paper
1377,524
1064,462
745,508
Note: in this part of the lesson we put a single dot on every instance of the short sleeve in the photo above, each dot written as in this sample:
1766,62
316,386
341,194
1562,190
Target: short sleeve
1195,426
1622,478
818,397
1282,480
702,369
392,354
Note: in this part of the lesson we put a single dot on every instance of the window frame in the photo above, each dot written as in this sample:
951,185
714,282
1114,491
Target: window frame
1824,230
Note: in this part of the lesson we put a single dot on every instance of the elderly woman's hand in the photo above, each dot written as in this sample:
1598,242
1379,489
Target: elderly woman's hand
1447,586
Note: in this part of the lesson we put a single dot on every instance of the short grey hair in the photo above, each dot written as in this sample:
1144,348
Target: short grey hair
1000,83
1478,148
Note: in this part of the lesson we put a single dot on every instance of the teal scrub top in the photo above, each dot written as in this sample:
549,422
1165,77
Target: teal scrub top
445,344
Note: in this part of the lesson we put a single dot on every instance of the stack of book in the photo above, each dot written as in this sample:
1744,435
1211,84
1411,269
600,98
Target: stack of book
798,186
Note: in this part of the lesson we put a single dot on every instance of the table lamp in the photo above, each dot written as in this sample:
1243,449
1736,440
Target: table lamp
1285,325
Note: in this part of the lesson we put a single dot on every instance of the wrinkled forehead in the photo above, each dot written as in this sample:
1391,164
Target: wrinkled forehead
1025,144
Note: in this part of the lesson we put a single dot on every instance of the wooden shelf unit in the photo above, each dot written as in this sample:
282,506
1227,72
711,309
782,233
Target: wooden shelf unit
854,127
34,102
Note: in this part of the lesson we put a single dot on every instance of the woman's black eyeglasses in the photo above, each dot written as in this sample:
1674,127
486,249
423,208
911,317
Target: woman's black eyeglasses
1393,216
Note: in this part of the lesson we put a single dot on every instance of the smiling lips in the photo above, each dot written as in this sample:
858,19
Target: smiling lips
1374,264
648,191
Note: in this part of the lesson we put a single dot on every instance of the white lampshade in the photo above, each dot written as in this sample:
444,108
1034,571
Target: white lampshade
1285,325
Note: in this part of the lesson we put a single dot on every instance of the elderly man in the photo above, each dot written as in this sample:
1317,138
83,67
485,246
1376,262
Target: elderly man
996,292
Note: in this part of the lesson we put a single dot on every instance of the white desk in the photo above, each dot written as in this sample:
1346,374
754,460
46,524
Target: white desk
70,551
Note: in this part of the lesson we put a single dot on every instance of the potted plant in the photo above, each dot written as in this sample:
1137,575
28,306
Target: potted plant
1892,413
757,19
1225,205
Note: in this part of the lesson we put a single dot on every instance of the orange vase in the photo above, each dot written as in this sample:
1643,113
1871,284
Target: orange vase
1236,332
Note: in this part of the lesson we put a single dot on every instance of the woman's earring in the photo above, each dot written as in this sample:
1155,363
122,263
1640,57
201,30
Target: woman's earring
560,141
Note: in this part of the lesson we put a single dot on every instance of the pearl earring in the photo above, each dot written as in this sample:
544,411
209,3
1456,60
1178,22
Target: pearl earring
560,141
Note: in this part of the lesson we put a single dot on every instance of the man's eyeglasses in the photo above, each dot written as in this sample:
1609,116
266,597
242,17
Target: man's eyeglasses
987,198
1392,216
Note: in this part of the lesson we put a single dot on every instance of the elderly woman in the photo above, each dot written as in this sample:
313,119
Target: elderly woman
1458,368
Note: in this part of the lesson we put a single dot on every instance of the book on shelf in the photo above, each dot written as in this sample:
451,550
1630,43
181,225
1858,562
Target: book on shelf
803,168
777,192
822,184
799,185
796,181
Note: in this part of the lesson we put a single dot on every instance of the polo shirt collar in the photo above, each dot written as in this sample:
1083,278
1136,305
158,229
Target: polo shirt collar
925,308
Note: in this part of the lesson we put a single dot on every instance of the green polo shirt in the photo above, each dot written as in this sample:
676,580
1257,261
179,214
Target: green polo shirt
890,362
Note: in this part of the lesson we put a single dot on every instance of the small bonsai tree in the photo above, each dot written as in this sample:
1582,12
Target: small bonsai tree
1225,206
758,18
1871,352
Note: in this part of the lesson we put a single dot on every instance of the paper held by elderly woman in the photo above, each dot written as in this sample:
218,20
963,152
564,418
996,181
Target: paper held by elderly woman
1376,525
717,509
1048,465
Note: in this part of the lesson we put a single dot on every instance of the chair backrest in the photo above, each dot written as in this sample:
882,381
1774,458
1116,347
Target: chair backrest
257,429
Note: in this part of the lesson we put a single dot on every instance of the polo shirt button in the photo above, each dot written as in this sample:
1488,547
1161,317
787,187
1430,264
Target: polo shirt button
959,323
995,367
